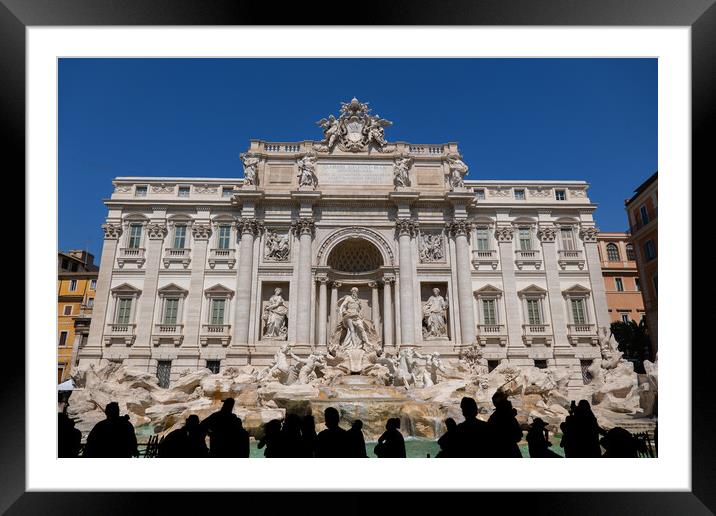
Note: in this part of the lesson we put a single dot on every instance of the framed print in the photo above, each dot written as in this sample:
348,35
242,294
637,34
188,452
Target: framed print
312,243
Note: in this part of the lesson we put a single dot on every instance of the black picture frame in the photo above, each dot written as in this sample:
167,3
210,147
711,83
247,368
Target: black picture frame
699,15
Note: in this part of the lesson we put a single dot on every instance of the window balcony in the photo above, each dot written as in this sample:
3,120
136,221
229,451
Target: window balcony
215,333
173,333
570,257
586,333
131,255
123,333
488,257
536,332
227,256
528,257
172,255
487,333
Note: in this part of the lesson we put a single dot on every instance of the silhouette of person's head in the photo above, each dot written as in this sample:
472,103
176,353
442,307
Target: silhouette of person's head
499,398
469,407
228,405
392,424
357,424
331,417
192,422
308,424
538,423
112,410
584,407
450,424
292,422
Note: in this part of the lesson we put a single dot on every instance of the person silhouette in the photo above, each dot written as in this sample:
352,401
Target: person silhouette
356,441
69,438
227,437
289,438
538,440
474,437
620,443
448,441
505,429
308,436
112,437
332,442
581,432
391,444
271,439
188,441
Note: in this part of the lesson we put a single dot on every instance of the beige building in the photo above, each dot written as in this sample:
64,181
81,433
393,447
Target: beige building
191,266
621,278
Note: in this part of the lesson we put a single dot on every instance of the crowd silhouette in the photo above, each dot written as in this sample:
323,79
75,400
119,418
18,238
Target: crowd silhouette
296,436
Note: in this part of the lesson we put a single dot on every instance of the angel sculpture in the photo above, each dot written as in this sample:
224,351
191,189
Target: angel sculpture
375,130
331,130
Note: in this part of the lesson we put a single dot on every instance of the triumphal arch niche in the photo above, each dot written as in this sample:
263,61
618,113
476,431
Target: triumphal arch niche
378,235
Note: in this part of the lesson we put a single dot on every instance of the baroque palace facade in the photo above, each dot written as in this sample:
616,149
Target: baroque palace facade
214,273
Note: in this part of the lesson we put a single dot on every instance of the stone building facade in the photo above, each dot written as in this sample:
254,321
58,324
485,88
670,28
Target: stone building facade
191,267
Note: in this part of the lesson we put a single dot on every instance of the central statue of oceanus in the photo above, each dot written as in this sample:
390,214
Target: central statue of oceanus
354,339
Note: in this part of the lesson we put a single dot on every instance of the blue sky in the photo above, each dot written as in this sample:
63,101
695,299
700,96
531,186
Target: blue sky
577,119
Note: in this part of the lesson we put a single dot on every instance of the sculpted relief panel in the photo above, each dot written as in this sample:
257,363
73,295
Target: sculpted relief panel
277,247
432,247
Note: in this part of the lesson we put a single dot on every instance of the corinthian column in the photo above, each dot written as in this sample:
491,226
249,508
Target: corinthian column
249,228
601,310
201,234
322,295
304,228
156,232
547,235
406,229
460,229
387,313
375,306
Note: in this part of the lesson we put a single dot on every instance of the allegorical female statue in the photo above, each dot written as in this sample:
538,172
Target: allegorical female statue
275,317
250,168
435,316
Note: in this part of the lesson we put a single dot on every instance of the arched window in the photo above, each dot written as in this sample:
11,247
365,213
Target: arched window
630,252
612,253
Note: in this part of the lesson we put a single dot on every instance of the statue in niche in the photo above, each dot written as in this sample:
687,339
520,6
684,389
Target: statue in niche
401,178
435,317
307,171
279,369
251,164
277,247
431,247
356,328
458,170
309,368
275,317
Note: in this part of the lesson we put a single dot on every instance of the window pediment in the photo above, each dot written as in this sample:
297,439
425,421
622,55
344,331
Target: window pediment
125,289
488,291
532,291
576,290
172,290
219,290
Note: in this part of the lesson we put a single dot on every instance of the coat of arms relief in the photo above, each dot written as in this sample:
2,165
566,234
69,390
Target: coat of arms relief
354,130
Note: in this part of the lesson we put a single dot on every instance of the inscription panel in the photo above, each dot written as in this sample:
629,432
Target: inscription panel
355,174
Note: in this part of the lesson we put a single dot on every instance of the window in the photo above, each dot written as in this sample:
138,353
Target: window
73,267
560,195
93,284
65,264
68,310
630,252
73,285
541,364
216,315
90,302
171,309
63,339
489,312
519,194
227,191
213,366
140,191
649,250
644,215
224,237
625,318
479,194
184,191
483,240
619,284
534,315
525,239
124,310
164,373
613,253
135,236
180,237
586,375
567,239
637,286
579,315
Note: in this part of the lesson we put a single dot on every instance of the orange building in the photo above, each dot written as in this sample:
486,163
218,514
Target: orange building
621,277
642,210
76,284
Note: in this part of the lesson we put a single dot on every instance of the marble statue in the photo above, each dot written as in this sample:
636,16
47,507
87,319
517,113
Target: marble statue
251,163
279,368
433,365
308,366
307,171
458,170
277,247
610,356
401,166
431,248
376,131
331,130
435,316
354,129
275,317
353,322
